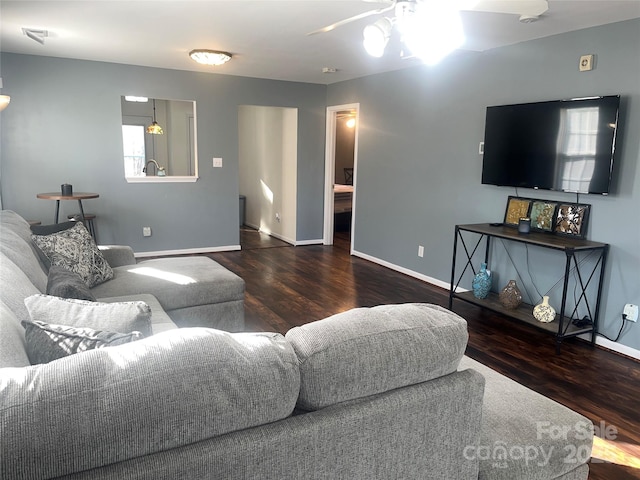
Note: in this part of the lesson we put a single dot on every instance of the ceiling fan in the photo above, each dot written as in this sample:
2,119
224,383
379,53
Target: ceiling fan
431,28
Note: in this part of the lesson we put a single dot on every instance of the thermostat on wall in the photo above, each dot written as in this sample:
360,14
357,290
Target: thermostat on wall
586,63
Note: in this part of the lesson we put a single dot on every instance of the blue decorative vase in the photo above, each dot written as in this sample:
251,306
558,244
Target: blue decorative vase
481,282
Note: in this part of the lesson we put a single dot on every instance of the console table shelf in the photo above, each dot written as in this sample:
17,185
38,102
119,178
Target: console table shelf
562,327
522,314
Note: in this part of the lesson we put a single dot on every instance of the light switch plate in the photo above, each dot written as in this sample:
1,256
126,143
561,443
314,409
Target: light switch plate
217,162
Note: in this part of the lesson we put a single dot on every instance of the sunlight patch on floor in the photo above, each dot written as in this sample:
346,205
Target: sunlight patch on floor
620,453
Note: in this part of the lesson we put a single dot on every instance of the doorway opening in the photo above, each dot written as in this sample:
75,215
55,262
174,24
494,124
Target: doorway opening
267,157
340,173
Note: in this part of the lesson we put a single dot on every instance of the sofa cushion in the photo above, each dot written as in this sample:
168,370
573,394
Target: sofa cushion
188,385
48,342
526,435
12,221
371,350
67,284
75,250
15,287
120,317
12,343
160,320
23,254
178,282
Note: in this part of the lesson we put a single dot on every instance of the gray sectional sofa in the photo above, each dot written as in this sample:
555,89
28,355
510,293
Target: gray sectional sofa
372,393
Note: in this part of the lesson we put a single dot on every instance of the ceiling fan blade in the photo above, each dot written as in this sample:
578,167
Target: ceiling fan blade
333,26
516,7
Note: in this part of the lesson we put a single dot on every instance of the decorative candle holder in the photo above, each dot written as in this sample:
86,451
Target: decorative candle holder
524,225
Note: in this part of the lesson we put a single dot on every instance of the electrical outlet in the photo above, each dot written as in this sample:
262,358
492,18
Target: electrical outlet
278,217
217,162
420,251
146,231
631,311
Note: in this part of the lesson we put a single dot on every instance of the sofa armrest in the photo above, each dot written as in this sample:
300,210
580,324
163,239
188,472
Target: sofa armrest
118,255
172,389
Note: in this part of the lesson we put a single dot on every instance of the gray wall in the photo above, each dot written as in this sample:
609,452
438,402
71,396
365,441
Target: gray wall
63,126
419,167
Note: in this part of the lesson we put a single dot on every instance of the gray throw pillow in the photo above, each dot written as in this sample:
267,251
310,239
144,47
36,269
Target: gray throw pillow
53,228
46,343
75,250
66,284
116,317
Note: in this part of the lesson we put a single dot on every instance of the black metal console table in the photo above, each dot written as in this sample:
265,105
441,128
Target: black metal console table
562,327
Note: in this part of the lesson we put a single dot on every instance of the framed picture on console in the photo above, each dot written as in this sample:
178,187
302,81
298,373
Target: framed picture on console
543,215
517,207
572,219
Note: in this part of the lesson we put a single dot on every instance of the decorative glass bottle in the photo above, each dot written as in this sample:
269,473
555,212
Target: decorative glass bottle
510,296
482,282
543,312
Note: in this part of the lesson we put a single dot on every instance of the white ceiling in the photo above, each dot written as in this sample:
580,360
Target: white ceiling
268,38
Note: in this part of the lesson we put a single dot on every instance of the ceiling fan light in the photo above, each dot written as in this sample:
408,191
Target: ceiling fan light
210,57
433,33
376,37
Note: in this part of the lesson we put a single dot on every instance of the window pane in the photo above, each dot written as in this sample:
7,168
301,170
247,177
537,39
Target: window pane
134,154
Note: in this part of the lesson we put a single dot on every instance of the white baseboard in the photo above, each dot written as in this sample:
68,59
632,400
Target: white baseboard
266,231
615,346
317,241
603,342
406,271
187,251
290,241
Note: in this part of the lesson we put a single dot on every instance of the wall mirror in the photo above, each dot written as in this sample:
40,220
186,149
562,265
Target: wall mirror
169,154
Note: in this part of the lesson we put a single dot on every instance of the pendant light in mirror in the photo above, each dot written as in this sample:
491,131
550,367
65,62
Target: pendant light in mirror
154,128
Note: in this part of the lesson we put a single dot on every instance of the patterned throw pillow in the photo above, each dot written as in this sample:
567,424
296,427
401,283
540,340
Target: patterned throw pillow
46,342
75,250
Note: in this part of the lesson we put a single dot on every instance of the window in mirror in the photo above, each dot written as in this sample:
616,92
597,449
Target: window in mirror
134,152
170,156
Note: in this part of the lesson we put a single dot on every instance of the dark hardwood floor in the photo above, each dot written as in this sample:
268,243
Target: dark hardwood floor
288,286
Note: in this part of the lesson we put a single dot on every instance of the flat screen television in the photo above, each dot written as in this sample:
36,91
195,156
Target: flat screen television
564,145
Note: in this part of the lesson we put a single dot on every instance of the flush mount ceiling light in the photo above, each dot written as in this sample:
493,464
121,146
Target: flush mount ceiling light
134,98
210,57
4,99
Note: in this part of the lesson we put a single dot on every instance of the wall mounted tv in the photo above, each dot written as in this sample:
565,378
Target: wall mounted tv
564,145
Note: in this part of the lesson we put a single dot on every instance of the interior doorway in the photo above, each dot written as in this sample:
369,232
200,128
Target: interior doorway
267,158
341,153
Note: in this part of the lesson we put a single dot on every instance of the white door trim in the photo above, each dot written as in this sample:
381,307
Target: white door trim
329,170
